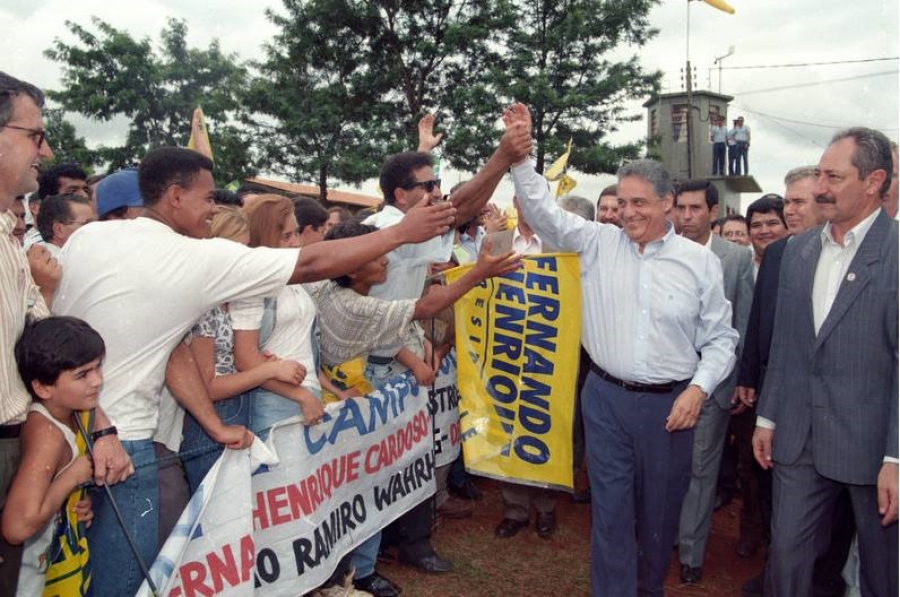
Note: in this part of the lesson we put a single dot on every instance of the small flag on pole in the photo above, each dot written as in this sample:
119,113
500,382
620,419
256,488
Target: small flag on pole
565,185
721,5
199,140
559,166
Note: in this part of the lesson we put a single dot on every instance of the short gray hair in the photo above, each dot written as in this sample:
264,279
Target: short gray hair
799,173
579,206
651,171
873,152
11,87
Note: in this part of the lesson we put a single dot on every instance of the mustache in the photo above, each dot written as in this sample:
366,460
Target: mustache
825,199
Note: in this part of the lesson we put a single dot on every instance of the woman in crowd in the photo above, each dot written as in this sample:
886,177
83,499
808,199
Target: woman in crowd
212,345
282,326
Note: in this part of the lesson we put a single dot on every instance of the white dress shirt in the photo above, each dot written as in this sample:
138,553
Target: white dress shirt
652,317
526,246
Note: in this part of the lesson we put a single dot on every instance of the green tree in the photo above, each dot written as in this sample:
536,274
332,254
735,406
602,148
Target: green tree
319,96
110,74
67,146
559,61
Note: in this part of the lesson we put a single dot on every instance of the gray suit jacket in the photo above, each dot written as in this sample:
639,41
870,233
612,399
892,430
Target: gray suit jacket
840,386
737,269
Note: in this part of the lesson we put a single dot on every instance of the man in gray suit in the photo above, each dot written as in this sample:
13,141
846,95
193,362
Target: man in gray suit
697,206
827,414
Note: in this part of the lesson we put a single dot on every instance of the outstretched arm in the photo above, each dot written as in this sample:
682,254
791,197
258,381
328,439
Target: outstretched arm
487,266
332,258
514,147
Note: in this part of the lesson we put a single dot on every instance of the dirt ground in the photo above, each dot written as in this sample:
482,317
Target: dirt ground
526,565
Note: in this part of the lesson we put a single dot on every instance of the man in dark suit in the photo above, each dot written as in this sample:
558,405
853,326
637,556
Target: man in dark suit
697,205
801,212
827,415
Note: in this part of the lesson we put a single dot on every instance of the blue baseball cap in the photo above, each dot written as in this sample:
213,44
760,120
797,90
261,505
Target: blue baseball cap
118,190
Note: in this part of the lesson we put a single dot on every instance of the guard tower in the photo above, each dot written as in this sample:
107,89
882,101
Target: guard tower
678,126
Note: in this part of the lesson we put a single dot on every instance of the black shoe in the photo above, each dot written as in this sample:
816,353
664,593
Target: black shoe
545,524
582,497
753,587
509,527
377,585
468,490
690,575
433,564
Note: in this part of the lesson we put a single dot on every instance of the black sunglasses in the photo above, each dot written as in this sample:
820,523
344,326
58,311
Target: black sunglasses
37,135
428,185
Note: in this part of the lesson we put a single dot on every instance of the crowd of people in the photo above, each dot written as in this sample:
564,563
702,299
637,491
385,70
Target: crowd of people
186,320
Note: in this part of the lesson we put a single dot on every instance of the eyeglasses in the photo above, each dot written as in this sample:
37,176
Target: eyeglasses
37,135
428,185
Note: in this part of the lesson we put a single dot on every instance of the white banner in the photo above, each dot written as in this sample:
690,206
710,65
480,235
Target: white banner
279,517
443,401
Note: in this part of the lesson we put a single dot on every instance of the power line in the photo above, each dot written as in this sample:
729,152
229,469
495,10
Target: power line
816,124
802,64
816,83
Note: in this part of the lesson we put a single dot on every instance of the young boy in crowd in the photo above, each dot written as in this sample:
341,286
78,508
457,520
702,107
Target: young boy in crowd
59,361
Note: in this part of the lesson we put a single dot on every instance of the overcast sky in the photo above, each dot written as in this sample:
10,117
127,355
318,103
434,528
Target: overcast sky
792,111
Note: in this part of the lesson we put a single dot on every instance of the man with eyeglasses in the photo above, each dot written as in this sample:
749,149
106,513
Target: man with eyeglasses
60,217
765,218
59,179
26,285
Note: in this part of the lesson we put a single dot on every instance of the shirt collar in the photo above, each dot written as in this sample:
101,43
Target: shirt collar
7,222
855,235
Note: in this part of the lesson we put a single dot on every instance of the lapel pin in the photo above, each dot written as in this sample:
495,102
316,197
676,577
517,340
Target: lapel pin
851,276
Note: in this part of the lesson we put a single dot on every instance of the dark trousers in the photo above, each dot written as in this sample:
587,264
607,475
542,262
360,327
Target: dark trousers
732,156
639,474
803,507
743,148
718,159
756,483
411,533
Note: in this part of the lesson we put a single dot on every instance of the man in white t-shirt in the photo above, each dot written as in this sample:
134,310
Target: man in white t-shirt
142,284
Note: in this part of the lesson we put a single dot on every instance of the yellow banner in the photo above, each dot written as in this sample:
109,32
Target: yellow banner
68,558
517,344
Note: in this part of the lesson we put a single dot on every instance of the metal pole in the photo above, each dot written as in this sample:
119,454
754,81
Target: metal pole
112,502
690,96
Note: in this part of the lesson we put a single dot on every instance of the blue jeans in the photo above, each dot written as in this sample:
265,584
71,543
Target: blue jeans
198,450
114,568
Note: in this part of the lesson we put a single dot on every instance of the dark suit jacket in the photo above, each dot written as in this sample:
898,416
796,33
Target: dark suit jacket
737,272
837,388
758,339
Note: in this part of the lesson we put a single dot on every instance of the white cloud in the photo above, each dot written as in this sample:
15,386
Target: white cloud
762,31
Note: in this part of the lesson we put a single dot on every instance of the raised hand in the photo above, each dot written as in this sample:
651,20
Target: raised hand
427,139
489,265
45,270
424,221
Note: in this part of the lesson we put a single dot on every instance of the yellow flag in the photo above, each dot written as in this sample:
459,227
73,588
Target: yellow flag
202,144
556,168
721,5
566,184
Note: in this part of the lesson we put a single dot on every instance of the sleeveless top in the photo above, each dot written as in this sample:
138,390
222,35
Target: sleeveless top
35,561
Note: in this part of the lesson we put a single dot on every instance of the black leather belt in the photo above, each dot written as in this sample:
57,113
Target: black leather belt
380,360
630,386
10,431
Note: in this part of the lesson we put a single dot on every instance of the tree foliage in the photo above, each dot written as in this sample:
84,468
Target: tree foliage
109,74
560,59
67,146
